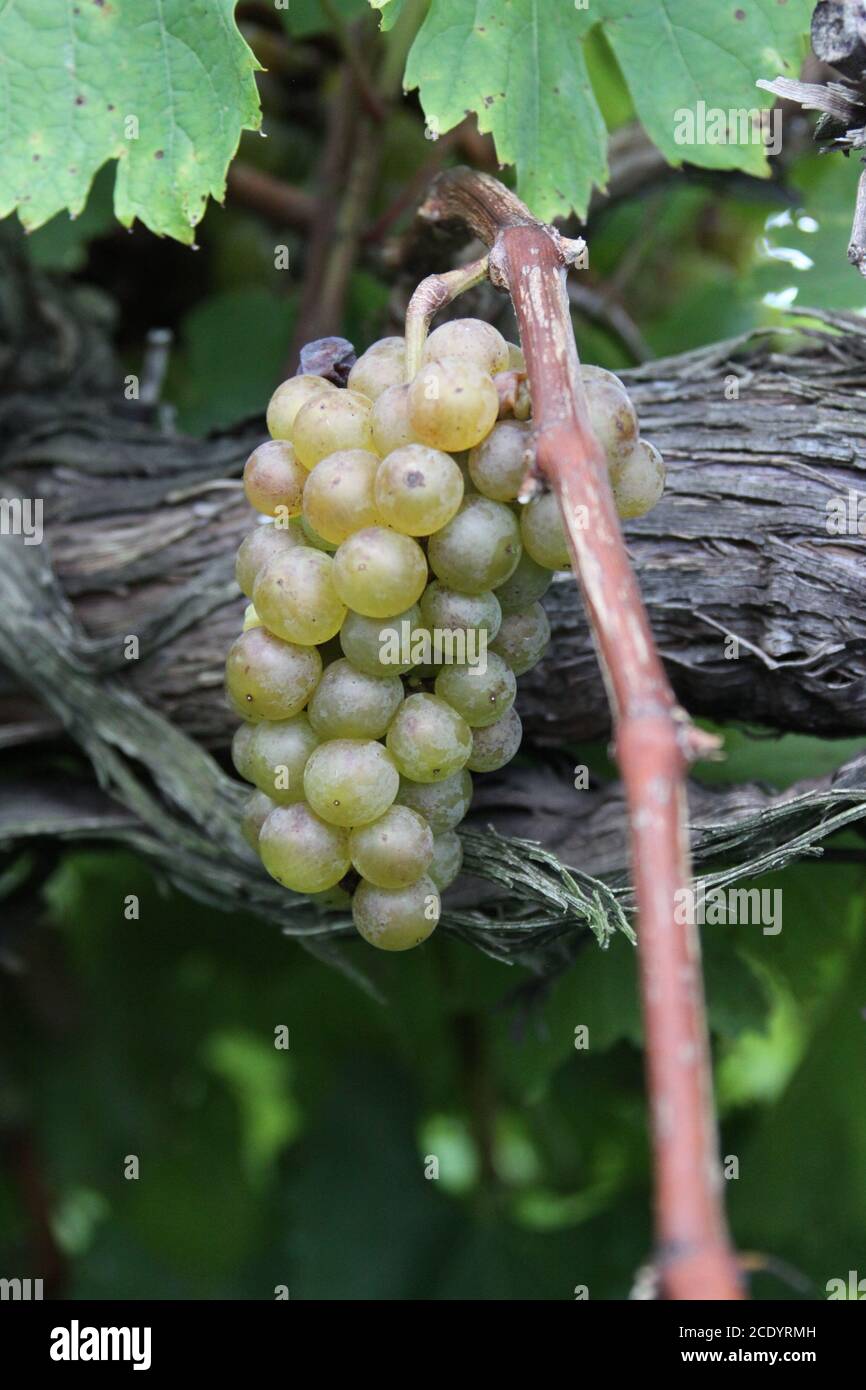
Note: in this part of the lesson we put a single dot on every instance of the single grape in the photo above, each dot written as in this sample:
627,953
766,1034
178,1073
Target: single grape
381,366
394,850
260,546
523,638
242,751
449,610
452,404
396,919
338,497
478,549
257,808
251,617
428,740
390,420
312,538
496,744
302,851
543,534
442,804
287,400
528,583
447,859
611,415
481,694
349,704
270,679
295,597
418,489
381,646
516,360
378,572
641,481
498,464
350,781
468,340
331,421
274,480
279,755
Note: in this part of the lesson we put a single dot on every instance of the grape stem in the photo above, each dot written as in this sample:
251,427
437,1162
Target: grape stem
655,741
432,295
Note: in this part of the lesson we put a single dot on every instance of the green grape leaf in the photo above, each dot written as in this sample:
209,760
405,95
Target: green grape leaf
389,12
699,57
165,87
519,65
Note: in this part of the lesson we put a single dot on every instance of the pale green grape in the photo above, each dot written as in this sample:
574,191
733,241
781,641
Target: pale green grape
287,400
452,405
516,360
523,638
478,549
270,679
428,740
331,421
350,781
447,859
349,704
260,546
274,480
394,850
251,617
611,415
641,481
390,420
442,804
418,489
242,751
496,744
529,582
257,808
338,497
312,538
471,341
381,646
381,366
449,610
396,919
279,755
378,572
543,534
302,851
481,694
498,464
296,599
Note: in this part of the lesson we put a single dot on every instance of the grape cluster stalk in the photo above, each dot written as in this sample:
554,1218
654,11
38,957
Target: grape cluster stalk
395,580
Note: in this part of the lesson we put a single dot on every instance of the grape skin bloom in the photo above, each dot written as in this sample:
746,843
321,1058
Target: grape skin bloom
428,740
349,782
378,572
418,489
301,851
479,549
393,851
295,597
348,703
270,679
396,919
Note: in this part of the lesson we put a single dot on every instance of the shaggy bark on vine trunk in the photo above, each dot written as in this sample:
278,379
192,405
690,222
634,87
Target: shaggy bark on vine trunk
143,526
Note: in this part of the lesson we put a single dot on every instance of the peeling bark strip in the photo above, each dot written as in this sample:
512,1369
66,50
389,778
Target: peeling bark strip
654,739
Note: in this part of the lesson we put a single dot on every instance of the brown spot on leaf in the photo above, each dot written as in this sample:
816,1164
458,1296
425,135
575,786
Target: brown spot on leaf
159,154
739,14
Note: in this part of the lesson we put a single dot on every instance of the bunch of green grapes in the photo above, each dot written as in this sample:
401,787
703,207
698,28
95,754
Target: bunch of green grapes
395,581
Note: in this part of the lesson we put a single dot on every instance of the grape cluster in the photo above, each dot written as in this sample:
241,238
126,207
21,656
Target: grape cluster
395,584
